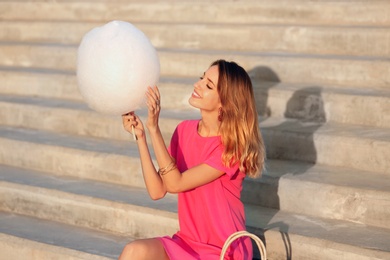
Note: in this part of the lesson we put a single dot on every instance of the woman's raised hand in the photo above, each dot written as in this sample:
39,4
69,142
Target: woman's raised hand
133,124
153,103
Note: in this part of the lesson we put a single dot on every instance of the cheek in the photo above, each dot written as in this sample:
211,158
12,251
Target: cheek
212,100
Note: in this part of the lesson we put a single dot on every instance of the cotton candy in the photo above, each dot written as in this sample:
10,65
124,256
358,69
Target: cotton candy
115,64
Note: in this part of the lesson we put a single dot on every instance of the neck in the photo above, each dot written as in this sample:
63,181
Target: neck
209,127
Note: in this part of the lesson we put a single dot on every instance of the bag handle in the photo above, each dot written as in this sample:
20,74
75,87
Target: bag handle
244,233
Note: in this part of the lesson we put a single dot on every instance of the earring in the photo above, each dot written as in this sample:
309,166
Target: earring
220,114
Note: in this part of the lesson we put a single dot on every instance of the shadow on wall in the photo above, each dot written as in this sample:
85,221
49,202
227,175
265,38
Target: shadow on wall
291,139
263,79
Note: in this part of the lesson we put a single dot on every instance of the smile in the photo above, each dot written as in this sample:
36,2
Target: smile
195,95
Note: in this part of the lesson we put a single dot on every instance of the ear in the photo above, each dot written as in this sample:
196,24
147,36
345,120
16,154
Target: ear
219,102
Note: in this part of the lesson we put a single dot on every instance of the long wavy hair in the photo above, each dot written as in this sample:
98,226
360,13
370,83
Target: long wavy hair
239,128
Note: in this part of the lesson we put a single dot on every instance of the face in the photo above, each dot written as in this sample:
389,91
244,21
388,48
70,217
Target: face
205,95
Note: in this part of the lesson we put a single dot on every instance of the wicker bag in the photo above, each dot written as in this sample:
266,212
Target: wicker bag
238,234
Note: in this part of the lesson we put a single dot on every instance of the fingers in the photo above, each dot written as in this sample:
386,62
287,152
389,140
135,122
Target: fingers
153,99
154,93
129,119
129,116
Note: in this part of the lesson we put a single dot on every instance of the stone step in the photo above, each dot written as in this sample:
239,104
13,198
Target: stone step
302,101
86,158
11,249
330,40
44,239
59,116
357,106
57,84
322,191
39,82
120,210
351,146
99,205
358,147
364,199
365,13
324,70
295,236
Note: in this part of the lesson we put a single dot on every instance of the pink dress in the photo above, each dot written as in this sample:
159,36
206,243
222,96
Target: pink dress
210,213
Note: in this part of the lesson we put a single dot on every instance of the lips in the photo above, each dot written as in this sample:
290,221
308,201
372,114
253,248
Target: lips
195,95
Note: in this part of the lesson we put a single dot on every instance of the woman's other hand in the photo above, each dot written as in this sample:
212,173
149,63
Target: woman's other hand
153,103
131,121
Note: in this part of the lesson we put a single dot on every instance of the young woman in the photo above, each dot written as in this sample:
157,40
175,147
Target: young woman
205,164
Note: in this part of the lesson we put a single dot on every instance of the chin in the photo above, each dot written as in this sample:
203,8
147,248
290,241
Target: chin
191,102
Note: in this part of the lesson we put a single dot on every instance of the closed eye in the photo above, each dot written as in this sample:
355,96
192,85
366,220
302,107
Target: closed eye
207,85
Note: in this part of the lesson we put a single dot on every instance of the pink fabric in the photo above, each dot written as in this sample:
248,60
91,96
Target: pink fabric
210,213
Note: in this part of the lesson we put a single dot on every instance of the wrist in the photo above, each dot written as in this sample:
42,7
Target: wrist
154,130
141,141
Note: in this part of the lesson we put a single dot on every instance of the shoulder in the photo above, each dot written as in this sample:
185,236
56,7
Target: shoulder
185,129
187,124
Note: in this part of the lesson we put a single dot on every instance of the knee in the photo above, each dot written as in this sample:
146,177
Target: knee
134,251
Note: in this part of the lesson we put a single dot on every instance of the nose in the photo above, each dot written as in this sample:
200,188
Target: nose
196,84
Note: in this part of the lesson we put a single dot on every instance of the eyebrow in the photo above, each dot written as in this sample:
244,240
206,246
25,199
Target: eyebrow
204,74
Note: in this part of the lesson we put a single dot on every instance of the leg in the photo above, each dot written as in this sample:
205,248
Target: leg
144,249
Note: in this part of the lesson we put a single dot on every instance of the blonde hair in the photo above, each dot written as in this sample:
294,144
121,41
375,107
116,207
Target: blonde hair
239,129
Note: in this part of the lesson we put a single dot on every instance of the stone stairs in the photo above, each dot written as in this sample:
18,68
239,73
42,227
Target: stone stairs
70,178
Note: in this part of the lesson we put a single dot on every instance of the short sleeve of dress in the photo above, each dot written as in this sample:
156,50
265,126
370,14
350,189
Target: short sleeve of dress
214,159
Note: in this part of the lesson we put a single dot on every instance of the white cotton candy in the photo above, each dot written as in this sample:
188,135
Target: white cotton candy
115,64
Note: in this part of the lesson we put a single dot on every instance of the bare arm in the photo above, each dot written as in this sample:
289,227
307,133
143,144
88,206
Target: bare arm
152,179
174,181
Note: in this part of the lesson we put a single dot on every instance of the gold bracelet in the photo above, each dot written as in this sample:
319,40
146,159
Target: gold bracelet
168,168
